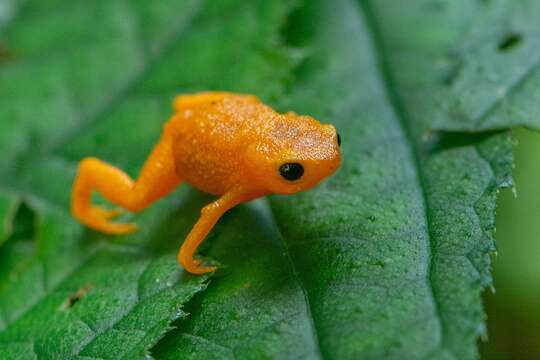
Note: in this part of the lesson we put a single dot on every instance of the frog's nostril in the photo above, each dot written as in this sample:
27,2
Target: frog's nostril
338,139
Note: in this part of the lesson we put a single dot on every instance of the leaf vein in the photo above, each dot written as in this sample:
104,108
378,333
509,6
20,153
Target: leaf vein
288,256
499,101
403,120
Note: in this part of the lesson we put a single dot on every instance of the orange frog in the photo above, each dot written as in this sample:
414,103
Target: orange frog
226,144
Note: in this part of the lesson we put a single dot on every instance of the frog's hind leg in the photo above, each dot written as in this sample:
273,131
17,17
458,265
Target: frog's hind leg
157,178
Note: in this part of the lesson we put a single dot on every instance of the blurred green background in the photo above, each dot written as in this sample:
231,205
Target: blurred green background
513,308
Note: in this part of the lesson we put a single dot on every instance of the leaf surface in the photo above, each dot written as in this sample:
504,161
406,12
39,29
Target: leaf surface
66,291
391,253
386,259
464,65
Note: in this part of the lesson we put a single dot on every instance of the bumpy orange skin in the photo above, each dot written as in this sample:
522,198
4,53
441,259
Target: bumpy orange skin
225,144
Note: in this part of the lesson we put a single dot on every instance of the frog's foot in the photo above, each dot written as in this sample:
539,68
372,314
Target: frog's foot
105,213
194,267
98,218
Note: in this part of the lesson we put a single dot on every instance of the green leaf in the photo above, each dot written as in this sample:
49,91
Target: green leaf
386,259
8,207
390,255
479,61
66,291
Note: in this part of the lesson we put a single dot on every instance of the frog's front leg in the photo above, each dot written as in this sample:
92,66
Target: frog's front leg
210,214
157,178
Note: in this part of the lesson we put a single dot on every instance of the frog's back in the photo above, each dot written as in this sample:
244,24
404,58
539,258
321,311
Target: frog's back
211,132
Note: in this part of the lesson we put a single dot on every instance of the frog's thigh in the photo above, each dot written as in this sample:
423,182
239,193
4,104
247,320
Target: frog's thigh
158,176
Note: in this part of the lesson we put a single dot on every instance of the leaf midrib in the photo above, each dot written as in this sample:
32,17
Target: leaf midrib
405,121
296,278
408,139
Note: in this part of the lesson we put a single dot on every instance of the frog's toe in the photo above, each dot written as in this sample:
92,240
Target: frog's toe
193,266
118,228
98,218
202,269
105,213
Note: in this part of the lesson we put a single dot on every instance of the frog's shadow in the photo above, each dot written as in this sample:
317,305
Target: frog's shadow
170,233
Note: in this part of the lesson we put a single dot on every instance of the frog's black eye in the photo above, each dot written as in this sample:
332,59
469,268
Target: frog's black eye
291,171
338,140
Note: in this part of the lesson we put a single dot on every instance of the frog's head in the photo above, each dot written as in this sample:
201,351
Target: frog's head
295,155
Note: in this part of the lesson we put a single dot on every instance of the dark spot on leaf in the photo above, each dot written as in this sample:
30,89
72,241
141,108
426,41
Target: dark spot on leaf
24,223
297,28
73,299
5,54
509,42
451,72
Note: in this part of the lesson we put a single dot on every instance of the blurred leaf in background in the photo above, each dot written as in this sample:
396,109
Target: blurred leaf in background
399,239
513,308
